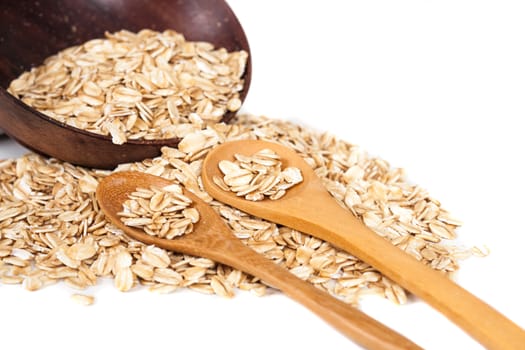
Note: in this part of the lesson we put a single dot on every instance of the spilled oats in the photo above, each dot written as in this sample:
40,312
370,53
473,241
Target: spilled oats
52,229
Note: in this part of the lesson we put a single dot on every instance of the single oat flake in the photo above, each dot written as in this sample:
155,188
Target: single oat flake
83,299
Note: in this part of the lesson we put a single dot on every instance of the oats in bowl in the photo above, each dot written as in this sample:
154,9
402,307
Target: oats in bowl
147,85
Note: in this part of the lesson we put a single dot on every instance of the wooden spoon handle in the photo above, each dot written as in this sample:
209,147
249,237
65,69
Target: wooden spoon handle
339,226
350,321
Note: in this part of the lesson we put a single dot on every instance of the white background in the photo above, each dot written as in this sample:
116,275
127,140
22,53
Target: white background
434,87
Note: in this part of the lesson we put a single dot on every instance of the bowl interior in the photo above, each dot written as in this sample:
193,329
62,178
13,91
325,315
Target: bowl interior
30,31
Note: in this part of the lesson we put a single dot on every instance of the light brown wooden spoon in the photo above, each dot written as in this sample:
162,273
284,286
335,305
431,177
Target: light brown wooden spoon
211,238
308,207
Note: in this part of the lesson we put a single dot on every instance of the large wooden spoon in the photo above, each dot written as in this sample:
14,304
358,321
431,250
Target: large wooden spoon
308,207
211,238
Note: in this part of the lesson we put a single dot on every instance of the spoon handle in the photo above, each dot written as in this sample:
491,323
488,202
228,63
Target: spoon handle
350,321
331,222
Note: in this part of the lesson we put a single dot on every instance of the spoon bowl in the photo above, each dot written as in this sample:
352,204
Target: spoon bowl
309,208
31,31
211,238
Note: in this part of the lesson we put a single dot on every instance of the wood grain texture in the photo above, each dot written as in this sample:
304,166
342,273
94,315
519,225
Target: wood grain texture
309,208
31,31
211,238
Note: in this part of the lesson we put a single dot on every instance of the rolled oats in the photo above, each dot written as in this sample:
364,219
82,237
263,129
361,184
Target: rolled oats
36,194
83,299
148,85
257,176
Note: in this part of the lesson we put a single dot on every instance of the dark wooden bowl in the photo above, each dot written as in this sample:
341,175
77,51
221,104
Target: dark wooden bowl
30,31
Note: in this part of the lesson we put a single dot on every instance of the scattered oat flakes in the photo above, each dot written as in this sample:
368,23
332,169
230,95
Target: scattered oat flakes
38,247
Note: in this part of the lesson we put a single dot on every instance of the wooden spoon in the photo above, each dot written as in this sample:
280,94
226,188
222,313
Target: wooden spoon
309,208
211,238
31,31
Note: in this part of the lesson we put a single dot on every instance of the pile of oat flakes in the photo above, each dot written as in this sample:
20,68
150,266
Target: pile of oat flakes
146,85
52,229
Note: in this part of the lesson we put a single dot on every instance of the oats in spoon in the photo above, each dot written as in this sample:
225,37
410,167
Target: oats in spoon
162,212
257,176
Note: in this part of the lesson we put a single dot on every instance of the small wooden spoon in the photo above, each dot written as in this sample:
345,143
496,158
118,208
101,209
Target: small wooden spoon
211,238
308,207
